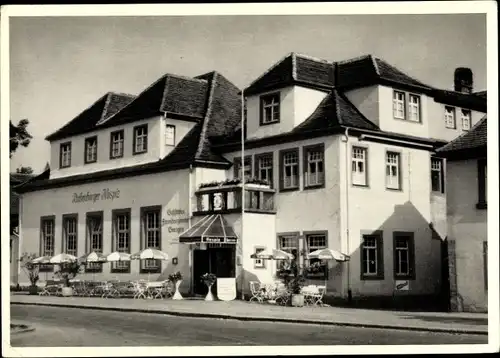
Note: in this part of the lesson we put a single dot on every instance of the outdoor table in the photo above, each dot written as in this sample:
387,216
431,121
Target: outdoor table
154,289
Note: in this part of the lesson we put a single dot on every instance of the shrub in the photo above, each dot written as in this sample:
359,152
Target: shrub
68,271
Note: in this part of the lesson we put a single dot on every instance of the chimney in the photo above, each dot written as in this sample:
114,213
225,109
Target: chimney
463,80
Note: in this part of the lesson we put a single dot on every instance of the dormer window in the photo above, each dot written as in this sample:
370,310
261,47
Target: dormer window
414,108
170,135
449,117
465,119
116,150
65,155
141,139
398,105
270,109
90,150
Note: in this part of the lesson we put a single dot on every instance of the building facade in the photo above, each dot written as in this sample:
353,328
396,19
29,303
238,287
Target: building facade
467,203
336,154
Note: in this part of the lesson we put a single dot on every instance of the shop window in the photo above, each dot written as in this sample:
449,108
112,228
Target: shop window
372,257
316,268
121,238
116,144
359,174
91,150
264,167
243,170
65,155
404,255
94,239
259,263
270,109
437,175
70,234
141,139
151,236
47,227
449,117
393,171
170,135
314,166
289,169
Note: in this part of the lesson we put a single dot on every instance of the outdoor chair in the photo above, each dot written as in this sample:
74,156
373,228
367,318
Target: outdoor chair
257,293
140,289
51,288
313,295
282,295
168,289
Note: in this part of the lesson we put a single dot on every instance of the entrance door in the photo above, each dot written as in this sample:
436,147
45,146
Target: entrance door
200,267
222,263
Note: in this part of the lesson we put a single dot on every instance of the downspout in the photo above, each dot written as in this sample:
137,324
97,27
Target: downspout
242,191
190,210
348,246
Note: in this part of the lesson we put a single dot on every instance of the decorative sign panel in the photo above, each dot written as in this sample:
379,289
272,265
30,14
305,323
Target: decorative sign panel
402,285
226,289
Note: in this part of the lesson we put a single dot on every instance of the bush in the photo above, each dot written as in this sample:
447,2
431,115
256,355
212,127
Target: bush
68,271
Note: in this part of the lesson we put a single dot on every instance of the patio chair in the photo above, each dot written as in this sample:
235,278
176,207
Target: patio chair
315,297
255,289
168,289
51,288
140,289
282,295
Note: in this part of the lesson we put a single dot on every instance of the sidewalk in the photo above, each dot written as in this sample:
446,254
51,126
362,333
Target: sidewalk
472,323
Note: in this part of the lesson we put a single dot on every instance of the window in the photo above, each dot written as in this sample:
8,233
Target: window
151,236
259,263
404,255
414,108
141,139
264,167
170,135
314,169
246,170
437,175
482,181
358,167
372,259
288,243
465,119
316,241
116,150
47,225
70,234
65,155
392,171
398,104
90,150
289,169
94,239
121,238
270,109
449,117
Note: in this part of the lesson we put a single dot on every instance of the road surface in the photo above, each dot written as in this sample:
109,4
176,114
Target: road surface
58,326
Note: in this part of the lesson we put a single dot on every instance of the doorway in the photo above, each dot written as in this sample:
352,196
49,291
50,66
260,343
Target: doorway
217,260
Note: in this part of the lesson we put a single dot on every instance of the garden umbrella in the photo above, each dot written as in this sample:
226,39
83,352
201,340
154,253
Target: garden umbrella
42,260
328,254
62,259
93,257
272,254
117,256
150,254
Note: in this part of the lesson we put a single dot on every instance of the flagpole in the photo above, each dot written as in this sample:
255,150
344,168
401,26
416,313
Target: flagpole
242,187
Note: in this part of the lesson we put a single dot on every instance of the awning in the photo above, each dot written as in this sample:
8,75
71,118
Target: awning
211,229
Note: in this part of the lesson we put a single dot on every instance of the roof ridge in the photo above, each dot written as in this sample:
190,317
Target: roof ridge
353,59
337,106
269,70
208,113
164,94
313,58
375,64
106,104
195,79
294,66
122,94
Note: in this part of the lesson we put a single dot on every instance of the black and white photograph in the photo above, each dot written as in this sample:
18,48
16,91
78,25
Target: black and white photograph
287,178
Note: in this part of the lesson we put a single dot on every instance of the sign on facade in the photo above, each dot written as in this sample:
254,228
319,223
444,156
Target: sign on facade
402,285
226,289
106,194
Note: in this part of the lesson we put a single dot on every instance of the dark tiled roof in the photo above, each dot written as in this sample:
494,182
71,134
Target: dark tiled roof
482,94
476,137
453,98
294,69
86,121
335,110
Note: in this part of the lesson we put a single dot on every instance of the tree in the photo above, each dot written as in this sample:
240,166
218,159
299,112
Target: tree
24,170
19,135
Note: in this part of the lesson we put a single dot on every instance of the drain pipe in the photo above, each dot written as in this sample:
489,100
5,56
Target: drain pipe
348,246
190,210
242,191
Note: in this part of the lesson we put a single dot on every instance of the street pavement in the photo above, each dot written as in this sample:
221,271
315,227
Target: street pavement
70,327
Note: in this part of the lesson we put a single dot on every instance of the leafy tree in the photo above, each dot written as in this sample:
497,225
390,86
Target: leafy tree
24,170
19,135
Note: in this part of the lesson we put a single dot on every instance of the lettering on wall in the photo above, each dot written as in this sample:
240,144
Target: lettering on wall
106,194
175,223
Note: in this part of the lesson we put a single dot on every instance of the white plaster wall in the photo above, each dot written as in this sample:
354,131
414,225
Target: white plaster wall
366,100
181,129
170,190
306,101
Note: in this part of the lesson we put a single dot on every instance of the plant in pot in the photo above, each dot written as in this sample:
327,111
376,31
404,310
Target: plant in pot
31,271
68,271
209,280
176,279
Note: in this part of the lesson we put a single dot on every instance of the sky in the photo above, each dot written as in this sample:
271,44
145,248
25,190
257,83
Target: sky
59,66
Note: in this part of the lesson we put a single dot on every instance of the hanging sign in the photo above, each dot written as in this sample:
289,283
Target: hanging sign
226,288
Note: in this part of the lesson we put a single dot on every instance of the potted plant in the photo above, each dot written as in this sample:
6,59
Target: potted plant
176,279
295,287
209,280
68,271
31,271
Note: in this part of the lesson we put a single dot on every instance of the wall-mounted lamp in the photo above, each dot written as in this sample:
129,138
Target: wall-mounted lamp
175,261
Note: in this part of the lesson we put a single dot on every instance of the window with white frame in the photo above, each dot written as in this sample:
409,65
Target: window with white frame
270,108
152,236
358,166
94,239
65,155
404,259
121,231
372,257
265,167
290,169
314,166
398,105
117,139
437,175
259,263
141,139
317,267
170,135
449,117
392,171
414,108
290,244
91,150
70,233
466,119
47,237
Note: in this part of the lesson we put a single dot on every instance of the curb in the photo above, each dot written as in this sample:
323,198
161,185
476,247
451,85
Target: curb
261,319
